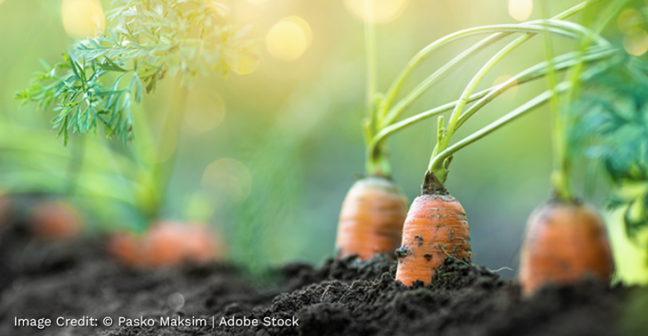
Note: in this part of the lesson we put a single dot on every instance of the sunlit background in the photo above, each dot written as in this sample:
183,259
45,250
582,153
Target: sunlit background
266,158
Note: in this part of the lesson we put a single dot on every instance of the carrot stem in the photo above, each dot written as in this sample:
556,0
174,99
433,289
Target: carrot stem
441,158
427,51
562,163
562,62
423,54
377,162
370,53
560,175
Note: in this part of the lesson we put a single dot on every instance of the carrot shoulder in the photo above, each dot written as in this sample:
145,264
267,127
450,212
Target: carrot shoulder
371,220
435,228
565,242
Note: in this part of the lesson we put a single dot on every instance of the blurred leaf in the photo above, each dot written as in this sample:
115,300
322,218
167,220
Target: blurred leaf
183,38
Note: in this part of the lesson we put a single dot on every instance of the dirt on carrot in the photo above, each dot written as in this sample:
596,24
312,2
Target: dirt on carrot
435,228
565,243
371,220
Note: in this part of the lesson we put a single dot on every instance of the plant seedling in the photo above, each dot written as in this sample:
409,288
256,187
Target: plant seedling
95,85
436,216
374,210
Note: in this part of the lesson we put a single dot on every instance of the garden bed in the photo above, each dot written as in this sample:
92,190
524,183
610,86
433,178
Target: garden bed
345,297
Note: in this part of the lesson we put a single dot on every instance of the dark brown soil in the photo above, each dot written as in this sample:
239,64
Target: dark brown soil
345,297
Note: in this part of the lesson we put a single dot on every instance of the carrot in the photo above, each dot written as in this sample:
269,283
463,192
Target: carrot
55,220
565,242
167,244
126,248
371,219
435,228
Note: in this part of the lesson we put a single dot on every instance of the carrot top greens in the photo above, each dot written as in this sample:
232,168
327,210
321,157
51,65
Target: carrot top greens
99,78
385,110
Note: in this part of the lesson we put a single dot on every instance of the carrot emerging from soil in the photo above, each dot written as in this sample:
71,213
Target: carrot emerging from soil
167,244
126,248
435,228
371,220
565,242
55,221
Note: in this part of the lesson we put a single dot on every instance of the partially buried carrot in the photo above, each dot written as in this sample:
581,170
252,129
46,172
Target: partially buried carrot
168,244
126,247
435,228
371,220
55,220
565,242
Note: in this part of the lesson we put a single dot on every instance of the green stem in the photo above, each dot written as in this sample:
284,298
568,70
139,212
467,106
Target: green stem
162,171
440,168
561,160
391,114
370,47
463,100
560,172
377,162
423,54
427,51
446,154
539,70
562,62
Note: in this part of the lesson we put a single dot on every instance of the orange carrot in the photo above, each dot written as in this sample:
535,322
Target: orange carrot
371,219
565,242
435,228
126,248
56,220
167,244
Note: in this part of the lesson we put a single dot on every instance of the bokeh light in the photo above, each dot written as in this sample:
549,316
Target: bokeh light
289,38
227,178
205,110
520,9
508,95
303,25
635,42
83,18
381,11
630,19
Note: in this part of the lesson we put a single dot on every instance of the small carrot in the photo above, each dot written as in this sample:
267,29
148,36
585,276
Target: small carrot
55,220
565,242
126,248
167,244
371,220
435,228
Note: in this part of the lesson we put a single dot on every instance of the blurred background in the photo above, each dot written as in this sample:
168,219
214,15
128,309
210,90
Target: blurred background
266,158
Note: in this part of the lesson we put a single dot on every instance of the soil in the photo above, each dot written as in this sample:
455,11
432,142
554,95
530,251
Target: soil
341,297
